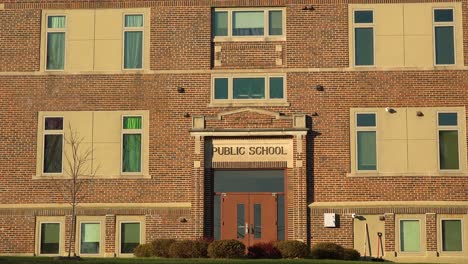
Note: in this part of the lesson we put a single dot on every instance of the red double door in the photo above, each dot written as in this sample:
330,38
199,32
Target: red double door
249,217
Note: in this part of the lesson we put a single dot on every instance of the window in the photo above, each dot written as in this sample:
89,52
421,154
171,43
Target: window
410,235
363,37
249,87
131,144
133,41
90,238
53,145
248,23
55,59
130,237
452,235
366,141
444,37
49,238
448,141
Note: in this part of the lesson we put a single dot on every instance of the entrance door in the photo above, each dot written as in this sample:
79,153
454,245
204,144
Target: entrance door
249,217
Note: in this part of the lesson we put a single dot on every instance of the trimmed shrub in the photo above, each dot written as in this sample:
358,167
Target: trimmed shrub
327,251
263,250
226,249
351,254
143,250
188,249
292,249
161,247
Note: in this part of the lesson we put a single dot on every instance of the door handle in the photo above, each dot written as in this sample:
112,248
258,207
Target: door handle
246,228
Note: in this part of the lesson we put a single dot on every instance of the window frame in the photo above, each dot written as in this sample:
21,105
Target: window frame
131,131
266,30
363,25
368,129
421,230
55,30
52,220
133,29
444,24
441,235
119,242
448,128
101,237
230,100
52,132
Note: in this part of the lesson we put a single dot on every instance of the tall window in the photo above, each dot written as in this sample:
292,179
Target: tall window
55,58
448,141
241,88
363,37
410,235
452,237
131,144
129,237
53,145
444,37
90,238
50,238
242,22
133,42
366,141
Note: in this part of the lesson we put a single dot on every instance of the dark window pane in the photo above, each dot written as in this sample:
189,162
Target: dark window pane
131,156
133,50
50,238
444,45
443,15
448,150
248,23
240,221
366,120
53,123
448,119
220,23
451,235
249,181
130,239
276,88
276,23
249,88
133,20
217,217
55,50
221,88
53,153
257,221
364,46
132,122
281,218
90,238
363,17
367,150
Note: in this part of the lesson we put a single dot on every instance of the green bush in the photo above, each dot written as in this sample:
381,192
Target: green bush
327,251
226,249
143,250
161,247
189,249
292,249
351,254
263,250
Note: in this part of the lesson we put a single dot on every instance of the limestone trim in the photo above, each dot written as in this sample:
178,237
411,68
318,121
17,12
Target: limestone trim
247,132
97,205
390,204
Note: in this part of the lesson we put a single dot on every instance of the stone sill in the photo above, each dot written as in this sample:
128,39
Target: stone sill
408,174
250,103
97,177
249,39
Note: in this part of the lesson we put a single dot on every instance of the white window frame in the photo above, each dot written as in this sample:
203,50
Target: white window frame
131,131
39,236
444,24
80,222
119,250
442,236
55,30
266,30
52,132
448,128
368,129
421,245
363,25
133,29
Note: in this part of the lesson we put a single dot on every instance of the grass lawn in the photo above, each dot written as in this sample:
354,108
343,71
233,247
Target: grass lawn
44,260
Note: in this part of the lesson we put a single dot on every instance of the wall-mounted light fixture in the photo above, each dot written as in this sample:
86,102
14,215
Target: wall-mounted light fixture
182,219
319,88
390,110
180,89
315,114
186,115
419,113
308,7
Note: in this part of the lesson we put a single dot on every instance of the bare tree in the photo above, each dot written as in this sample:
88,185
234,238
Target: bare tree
79,171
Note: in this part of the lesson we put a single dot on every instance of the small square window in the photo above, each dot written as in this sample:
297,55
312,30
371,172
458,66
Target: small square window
366,120
54,123
56,22
132,122
133,20
443,15
448,119
362,16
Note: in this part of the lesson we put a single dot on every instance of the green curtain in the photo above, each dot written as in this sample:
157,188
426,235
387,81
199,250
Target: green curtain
132,122
410,236
55,50
130,239
50,238
131,153
367,150
276,23
451,235
133,20
133,50
448,150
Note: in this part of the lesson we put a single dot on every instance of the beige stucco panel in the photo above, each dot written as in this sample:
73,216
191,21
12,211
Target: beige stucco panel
80,55
391,125
419,51
80,24
422,156
388,19
108,55
422,127
374,225
389,51
392,156
418,19
108,158
107,127
109,24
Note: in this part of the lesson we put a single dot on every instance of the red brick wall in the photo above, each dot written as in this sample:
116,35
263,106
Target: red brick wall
17,237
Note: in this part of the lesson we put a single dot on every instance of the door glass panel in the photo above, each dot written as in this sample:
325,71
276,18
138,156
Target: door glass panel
257,221
217,217
240,221
280,215
249,181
